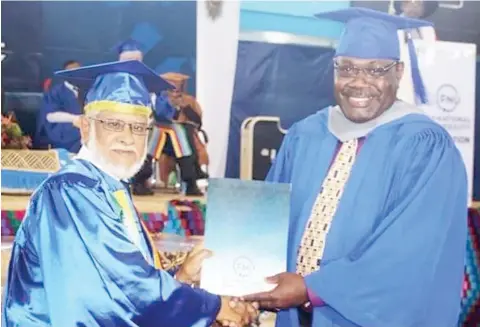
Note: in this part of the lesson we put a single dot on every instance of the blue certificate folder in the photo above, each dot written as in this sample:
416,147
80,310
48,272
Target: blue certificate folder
246,227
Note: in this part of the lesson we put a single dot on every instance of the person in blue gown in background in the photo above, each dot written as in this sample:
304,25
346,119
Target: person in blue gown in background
379,197
63,97
82,256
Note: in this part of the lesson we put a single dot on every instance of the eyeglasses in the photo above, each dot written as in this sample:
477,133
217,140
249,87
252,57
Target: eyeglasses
353,71
115,125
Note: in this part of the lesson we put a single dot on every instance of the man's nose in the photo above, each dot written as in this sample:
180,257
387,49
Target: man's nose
359,81
126,136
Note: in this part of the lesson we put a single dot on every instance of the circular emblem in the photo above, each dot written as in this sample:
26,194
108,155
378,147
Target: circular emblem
447,98
243,267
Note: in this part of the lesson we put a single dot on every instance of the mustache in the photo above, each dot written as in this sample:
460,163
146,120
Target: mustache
123,148
360,93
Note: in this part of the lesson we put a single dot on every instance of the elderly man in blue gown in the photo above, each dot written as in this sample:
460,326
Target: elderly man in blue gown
82,256
379,197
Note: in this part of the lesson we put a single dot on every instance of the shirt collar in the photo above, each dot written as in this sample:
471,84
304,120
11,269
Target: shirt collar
345,129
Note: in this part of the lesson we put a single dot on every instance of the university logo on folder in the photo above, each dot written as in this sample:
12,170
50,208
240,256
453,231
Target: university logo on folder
247,229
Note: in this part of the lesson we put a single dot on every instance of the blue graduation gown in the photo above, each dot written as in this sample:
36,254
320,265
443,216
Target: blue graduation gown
58,135
395,252
73,264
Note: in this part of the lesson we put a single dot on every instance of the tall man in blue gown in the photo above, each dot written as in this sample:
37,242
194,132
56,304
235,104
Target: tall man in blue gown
379,198
63,97
82,256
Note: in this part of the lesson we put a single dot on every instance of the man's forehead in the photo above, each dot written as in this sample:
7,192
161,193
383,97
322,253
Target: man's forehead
121,116
361,61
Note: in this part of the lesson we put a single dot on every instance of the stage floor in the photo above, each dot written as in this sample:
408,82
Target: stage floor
153,203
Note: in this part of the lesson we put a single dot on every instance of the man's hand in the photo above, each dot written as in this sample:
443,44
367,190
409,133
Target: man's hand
77,122
290,292
189,272
234,313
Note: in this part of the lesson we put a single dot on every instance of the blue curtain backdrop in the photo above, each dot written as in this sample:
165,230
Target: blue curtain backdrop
43,34
288,81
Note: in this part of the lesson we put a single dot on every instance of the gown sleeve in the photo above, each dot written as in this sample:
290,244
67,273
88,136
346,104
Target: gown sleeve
95,276
420,241
61,135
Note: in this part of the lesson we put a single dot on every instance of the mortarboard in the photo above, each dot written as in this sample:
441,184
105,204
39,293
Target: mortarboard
120,86
175,77
128,45
371,34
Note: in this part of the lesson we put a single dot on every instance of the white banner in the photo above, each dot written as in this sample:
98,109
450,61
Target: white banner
218,28
448,72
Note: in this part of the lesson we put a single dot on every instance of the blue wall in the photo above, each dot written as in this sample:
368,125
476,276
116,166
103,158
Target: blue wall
53,32
296,17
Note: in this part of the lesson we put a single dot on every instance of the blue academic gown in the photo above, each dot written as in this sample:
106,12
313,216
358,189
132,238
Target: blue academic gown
395,252
58,135
73,264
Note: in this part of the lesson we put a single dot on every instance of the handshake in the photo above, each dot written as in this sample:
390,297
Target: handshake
236,313
290,292
233,312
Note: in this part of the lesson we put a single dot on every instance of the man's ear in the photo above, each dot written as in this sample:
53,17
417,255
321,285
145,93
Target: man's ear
84,129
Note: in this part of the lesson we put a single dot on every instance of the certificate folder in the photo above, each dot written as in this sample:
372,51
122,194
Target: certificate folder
246,227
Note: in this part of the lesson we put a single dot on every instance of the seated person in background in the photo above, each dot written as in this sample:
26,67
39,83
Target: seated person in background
190,116
61,97
178,119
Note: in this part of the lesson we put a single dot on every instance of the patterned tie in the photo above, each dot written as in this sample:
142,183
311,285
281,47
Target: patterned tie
313,241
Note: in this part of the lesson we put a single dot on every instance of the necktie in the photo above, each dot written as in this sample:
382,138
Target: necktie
313,241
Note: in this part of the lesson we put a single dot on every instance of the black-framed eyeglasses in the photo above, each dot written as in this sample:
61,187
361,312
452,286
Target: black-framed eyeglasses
115,125
348,70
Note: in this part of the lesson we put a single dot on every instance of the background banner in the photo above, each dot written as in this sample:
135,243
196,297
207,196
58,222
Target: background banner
448,71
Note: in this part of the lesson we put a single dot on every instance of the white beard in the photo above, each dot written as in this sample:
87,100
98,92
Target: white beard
116,170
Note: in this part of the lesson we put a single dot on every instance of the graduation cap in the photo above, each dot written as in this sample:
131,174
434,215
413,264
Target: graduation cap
120,86
175,78
371,34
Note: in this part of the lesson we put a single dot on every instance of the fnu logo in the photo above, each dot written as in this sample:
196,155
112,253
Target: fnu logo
447,98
